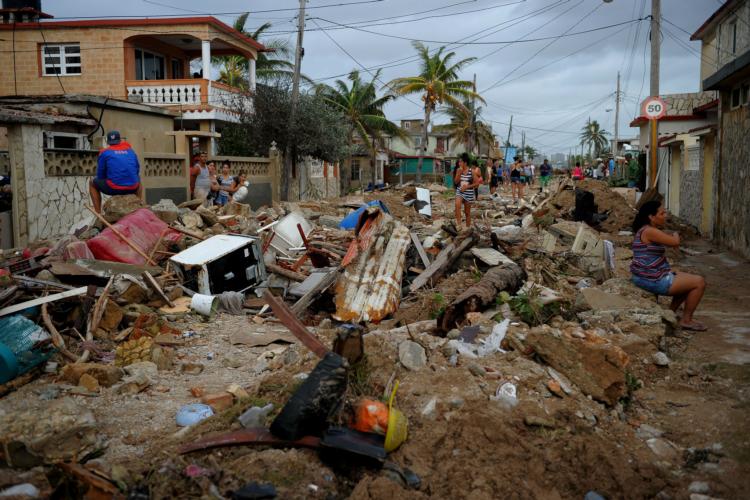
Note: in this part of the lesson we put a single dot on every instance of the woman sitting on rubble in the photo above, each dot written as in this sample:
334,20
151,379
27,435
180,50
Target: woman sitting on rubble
651,270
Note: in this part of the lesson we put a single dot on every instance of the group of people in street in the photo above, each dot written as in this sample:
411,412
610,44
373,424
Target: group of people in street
215,189
630,168
467,177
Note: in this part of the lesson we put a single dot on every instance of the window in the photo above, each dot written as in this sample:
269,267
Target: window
693,158
177,69
417,140
355,170
61,59
733,32
149,66
745,93
407,125
736,97
65,140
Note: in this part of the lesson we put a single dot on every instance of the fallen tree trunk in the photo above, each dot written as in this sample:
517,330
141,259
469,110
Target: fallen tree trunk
507,276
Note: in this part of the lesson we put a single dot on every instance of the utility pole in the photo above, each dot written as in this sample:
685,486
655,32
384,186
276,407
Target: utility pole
298,53
523,144
654,87
475,140
507,143
617,116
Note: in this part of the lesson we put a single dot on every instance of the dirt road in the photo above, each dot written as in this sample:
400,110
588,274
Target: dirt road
704,403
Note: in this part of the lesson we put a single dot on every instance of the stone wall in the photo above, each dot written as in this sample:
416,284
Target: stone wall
732,226
683,104
316,180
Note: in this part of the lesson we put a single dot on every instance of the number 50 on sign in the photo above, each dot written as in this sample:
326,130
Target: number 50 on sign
654,108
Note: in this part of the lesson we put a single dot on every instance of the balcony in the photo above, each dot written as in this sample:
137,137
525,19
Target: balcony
194,97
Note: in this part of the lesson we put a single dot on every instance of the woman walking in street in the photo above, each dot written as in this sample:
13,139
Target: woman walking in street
466,180
651,270
516,180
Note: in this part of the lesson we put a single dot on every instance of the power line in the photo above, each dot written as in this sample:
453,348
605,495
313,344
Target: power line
526,61
458,43
227,13
561,58
486,43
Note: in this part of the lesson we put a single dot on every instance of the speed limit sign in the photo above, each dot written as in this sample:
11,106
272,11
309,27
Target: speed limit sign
654,108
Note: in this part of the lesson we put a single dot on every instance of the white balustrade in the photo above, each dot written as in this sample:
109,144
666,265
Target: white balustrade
168,94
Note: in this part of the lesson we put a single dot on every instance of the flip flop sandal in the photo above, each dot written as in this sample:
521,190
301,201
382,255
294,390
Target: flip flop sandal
695,327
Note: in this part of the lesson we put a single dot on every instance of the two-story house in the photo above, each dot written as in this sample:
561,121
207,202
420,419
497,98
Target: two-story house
725,162
157,61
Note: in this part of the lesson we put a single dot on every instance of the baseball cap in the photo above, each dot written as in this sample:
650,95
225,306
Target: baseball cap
113,137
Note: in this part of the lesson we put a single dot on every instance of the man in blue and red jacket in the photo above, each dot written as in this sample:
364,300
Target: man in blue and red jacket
117,171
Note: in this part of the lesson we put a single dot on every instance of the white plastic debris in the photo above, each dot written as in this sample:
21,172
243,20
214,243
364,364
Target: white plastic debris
491,344
506,395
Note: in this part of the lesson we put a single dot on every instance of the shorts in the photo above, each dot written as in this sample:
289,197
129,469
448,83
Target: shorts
544,180
104,188
659,287
493,181
516,180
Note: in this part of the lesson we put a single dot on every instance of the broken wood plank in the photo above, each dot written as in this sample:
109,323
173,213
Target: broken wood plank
287,317
20,381
286,273
187,232
42,300
304,302
444,259
508,276
37,283
95,318
57,339
420,249
124,238
151,282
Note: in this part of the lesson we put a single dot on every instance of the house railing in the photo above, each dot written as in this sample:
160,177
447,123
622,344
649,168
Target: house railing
67,162
168,92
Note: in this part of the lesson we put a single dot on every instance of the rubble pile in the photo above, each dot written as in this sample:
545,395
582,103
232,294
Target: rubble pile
343,347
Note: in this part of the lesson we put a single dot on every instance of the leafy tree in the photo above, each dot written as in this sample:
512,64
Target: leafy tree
530,152
269,66
466,127
364,113
594,136
438,82
318,130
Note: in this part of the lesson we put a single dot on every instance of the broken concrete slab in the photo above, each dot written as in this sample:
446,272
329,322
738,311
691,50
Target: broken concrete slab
106,375
261,339
412,355
490,256
117,207
63,430
166,210
595,365
599,300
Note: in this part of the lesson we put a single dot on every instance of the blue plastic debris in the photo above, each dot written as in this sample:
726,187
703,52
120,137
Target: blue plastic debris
22,346
192,414
350,221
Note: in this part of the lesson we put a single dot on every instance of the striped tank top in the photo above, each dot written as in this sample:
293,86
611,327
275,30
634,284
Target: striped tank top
467,195
649,261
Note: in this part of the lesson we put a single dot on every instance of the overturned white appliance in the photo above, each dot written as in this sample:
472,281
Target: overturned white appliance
222,263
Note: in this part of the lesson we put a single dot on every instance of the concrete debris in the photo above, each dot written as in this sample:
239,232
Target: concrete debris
64,430
594,364
412,355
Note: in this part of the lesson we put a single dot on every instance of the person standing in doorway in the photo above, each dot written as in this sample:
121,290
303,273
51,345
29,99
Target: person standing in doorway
117,171
466,181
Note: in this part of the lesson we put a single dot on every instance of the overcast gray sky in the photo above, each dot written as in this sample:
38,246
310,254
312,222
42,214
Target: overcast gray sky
553,84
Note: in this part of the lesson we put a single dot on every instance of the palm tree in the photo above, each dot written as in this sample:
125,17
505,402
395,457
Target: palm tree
466,127
363,109
438,82
530,151
595,136
234,68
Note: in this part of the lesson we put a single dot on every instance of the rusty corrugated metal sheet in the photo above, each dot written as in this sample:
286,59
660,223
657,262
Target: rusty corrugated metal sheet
370,287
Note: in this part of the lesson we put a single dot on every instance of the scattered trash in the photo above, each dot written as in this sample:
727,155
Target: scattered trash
506,395
255,416
193,413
